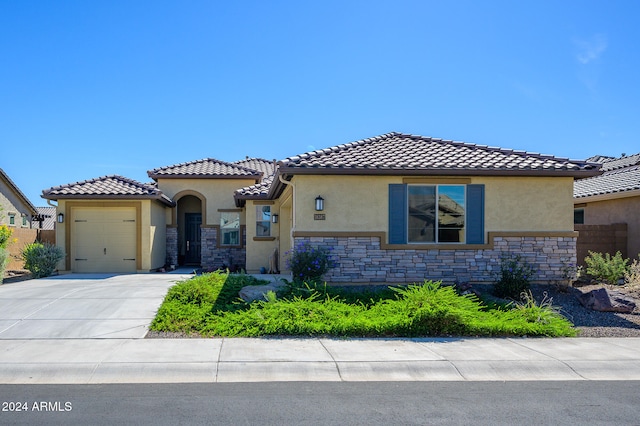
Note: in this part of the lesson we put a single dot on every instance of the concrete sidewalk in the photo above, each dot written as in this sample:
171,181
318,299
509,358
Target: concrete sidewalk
91,361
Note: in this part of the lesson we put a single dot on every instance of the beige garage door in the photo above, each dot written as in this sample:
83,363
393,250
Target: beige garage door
103,239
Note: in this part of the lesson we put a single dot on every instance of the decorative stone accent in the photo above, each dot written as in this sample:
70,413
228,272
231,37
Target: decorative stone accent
252,293
605,300
214,257
362,260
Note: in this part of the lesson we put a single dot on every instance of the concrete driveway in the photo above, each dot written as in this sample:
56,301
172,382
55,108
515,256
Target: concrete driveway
82,306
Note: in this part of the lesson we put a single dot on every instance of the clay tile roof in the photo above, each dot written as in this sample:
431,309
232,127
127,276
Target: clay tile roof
620,175
622,162
403,153
259,190
205,169
599,159
260,164
110,187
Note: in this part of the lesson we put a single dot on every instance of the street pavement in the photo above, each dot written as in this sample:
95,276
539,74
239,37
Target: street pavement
90,329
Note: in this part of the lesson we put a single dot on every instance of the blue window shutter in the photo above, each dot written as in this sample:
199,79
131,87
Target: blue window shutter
475,214
397,213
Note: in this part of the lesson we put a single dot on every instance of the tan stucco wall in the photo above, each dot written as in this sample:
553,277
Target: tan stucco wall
61,236
286,225
620,210
359,203
351,203
218,194
157,235
151,227
260,249
528,203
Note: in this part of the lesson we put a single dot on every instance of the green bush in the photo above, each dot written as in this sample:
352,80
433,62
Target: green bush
41,259
606,268
307,263
513,278
418,310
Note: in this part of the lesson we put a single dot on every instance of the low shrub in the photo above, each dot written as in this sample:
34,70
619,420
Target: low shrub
429,309
190,304
606,268
632,275
308,263
513,278
41,258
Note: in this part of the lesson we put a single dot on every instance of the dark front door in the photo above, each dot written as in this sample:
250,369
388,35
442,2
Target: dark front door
192,237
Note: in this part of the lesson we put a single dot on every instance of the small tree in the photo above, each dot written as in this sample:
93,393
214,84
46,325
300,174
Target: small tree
41,259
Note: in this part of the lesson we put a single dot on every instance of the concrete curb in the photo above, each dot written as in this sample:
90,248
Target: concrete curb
93,361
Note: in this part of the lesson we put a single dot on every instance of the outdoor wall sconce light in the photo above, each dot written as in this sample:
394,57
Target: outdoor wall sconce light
274,218
60,218
319,203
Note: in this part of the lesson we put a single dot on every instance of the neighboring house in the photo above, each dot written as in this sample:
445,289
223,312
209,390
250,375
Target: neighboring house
45,219
611,198
16,212
393,208
15,208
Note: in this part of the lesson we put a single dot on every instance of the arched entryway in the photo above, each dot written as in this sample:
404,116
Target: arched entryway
189,215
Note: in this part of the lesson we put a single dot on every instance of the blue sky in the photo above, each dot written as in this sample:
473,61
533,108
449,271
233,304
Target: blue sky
94,88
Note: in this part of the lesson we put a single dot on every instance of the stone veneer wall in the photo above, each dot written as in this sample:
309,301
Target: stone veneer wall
172,246
214,257
362,260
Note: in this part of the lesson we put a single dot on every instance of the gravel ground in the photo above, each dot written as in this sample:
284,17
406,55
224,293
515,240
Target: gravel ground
593,323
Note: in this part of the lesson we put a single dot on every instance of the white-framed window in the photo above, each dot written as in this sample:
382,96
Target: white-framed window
263,221
12,219
230,228
25,222
436,214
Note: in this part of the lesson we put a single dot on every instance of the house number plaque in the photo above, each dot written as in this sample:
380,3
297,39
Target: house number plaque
319,216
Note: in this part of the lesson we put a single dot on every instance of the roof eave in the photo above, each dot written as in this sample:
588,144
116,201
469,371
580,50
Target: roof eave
606,196
160,198
435,171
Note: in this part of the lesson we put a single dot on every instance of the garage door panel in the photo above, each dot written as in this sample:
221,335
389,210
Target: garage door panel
104,239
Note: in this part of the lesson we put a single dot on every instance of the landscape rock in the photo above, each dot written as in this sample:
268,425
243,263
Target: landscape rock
252,293
605,300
